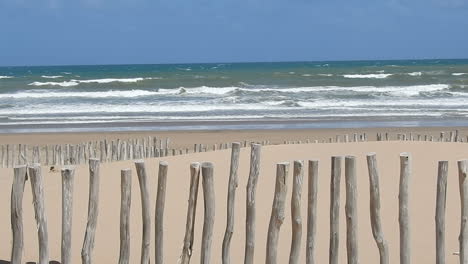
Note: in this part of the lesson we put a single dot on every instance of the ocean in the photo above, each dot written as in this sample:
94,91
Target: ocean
116,97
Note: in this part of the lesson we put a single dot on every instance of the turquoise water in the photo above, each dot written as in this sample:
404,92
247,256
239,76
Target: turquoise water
323,91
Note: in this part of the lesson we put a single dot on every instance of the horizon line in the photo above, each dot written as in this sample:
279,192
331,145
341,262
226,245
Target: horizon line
225,62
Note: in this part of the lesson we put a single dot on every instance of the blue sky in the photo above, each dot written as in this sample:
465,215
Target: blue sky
57,32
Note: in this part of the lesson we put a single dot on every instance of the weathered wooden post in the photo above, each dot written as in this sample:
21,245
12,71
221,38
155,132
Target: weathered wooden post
17,191
145,208
93,210
250,203
298,175
463,237
311,210
68,174
277,212
231,197
209,218
403,200
351,210
335,208
442,173
125,202
39,210
375,208
159,215
191,210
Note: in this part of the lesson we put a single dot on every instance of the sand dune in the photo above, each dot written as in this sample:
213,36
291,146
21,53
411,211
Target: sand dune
422,204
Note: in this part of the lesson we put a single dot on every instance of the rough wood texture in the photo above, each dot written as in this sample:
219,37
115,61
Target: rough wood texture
250,204
39,211
277,212
351,210
463,237
440,211
375,208
159,216
145,208
191,210
209,217
125,202
17,191
403,212
232,186
68,174
93,210
311,210
296,218
334,208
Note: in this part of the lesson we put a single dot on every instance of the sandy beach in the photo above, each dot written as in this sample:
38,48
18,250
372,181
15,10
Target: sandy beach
425,156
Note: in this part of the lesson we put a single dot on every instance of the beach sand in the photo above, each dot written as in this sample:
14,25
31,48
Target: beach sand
425,156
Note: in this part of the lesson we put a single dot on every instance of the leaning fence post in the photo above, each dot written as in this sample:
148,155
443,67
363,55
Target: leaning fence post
68,173
298,175
93,210
191,210
463,237
17,191
403,197
375,208
209,202
277,212
159,215
233,181
125,202
334,208
311,210
145,208
250,204
351,210
440,211
39,209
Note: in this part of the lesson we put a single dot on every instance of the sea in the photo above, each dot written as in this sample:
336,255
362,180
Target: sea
234,95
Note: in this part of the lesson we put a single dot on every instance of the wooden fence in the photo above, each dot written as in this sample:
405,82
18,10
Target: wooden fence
21,173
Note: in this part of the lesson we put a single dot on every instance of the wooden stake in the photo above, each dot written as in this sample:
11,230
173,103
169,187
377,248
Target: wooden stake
311,210
351,210
298,175
125,202
232,186
159,218
334,208
39,211
209,202
440,211
145,208
463,237
68,174
277,212
404,219
17,191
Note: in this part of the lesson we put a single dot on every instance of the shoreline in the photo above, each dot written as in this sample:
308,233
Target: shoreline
224,125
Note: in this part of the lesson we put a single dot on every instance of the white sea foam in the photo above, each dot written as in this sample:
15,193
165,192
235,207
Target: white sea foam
5,77
415,73
74,82
51,76
325,74
459,73
306,75
368,76
59,94
62,84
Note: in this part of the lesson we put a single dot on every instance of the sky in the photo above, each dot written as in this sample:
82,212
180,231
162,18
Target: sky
69,32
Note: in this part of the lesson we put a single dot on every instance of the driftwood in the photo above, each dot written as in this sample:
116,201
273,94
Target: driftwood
440,211
209,202
277,212
191,210
334,208
250,204
145,208
351,210
403,216
159,215
17,191
68,174
93,209
375,208
37,187
298,175
125,202
233,181
311,210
